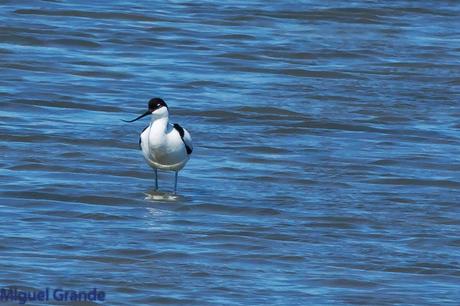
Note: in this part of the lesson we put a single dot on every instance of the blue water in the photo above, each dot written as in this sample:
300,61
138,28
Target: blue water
326,151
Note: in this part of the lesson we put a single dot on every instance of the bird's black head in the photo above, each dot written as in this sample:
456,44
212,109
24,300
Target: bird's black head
154,104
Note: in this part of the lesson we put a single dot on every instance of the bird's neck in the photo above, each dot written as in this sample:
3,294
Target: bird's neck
159,124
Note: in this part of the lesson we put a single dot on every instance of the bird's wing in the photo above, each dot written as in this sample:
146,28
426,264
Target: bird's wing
185,136
140,136
188,140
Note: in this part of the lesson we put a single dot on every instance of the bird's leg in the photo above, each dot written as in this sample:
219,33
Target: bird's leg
175,182
156,179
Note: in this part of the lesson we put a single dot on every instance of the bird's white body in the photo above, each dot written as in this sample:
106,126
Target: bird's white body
162,145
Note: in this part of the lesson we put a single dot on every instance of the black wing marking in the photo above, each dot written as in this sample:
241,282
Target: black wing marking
140,140
181,133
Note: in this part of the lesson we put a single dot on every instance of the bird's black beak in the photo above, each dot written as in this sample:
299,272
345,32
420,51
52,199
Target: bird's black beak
143,115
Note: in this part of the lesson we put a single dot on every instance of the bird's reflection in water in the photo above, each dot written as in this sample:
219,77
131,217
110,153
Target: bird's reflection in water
156,195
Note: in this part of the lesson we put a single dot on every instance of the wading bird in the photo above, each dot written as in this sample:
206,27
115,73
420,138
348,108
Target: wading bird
165,146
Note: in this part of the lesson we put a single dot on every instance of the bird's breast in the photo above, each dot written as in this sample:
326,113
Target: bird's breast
163,150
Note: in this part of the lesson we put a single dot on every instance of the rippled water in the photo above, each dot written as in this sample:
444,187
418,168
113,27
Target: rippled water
326,162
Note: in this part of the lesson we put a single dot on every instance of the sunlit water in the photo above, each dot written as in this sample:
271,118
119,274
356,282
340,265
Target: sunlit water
326,151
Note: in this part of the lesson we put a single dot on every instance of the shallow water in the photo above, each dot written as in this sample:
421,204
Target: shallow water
326,151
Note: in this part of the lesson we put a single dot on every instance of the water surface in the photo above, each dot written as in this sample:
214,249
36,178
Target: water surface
326,151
